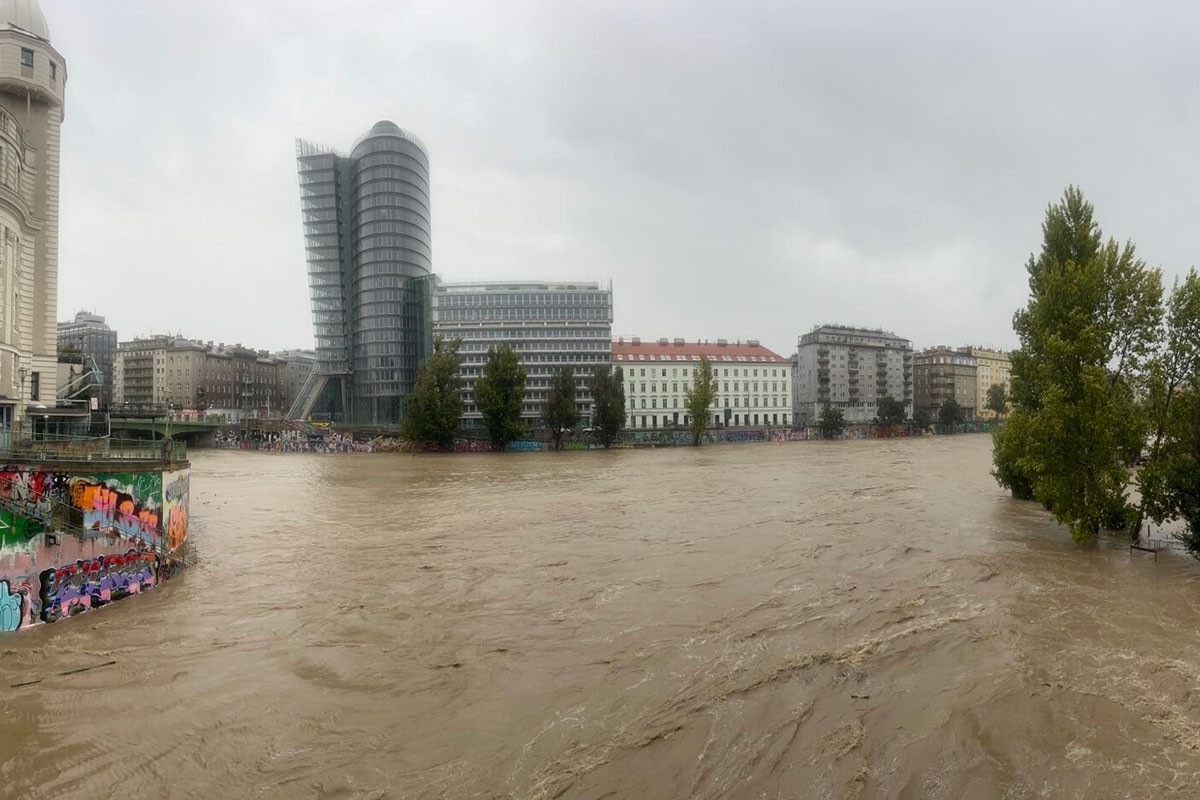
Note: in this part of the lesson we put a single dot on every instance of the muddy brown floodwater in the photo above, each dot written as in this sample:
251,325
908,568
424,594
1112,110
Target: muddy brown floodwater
809,620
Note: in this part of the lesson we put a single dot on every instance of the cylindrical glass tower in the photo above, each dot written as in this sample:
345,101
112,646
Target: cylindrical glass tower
391,264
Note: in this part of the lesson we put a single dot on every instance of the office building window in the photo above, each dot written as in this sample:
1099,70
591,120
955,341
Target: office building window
26,57
35,385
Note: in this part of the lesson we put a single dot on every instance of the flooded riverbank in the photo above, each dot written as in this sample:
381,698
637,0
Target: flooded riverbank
810,619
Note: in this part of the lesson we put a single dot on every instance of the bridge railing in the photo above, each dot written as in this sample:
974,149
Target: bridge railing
51,447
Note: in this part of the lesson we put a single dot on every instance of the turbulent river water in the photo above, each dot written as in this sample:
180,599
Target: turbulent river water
811,620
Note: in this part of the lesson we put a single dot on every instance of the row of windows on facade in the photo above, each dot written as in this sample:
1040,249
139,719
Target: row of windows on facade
27,57
737,420
389,150
450,299
721,402
477,314
737,387
599,332
724,372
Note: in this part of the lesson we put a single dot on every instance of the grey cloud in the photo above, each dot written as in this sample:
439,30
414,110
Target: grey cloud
739,170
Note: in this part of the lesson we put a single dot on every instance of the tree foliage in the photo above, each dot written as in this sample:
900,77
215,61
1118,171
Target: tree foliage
561,411
1169,483
699,398
832,422
997,399
608,395
921,420
499,393
434,406
891,412
951,414
1087,336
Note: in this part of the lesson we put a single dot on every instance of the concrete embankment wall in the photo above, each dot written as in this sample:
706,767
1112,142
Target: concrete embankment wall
75,536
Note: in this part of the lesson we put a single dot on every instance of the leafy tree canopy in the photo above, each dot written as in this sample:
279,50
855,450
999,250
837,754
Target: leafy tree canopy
561,411
434,406
608,395
500,393
699,398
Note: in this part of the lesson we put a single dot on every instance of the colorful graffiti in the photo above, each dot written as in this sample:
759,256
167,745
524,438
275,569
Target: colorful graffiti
101,536
92,583
176,486
12,607
115,503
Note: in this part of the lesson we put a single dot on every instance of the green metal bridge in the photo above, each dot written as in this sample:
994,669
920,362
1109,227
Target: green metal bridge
190,430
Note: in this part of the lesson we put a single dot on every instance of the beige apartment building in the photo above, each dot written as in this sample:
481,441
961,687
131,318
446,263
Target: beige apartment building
991,367
33,77
186,377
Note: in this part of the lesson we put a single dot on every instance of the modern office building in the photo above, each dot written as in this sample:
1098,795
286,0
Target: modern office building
851,369
171,373
754,385
33,77
991,367
89,337
941,374
548,324
367,237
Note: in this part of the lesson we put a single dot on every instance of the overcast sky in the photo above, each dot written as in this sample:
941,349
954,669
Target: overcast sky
738,170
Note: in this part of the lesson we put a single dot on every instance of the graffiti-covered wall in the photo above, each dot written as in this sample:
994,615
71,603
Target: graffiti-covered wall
74,541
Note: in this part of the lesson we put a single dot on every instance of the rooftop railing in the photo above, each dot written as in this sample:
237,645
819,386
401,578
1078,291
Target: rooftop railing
18,446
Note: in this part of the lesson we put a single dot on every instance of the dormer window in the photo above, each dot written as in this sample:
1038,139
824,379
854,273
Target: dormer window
26,57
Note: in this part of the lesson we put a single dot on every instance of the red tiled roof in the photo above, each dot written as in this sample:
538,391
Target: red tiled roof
674,350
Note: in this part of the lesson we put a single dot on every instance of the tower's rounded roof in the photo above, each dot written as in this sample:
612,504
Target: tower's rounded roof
385,126
25,16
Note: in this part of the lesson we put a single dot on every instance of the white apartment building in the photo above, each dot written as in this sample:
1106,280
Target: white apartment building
851,369
754,385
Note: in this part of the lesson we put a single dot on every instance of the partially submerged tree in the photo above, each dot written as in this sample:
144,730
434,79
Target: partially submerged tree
1169,483
608,396
891,412
921,420
951,414
1086,337
562,413
832,422
997,399
500,393
434,406
699,398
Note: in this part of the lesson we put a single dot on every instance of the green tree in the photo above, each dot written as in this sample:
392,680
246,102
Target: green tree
891,412
1169,483
434,406
499,393
997,399
832,422
608,397
1086,338
699,398
561,411
921,420
951,414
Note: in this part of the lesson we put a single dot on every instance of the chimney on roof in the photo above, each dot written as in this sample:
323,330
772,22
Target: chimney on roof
679,342
722,342
662,341
752,342
635,341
